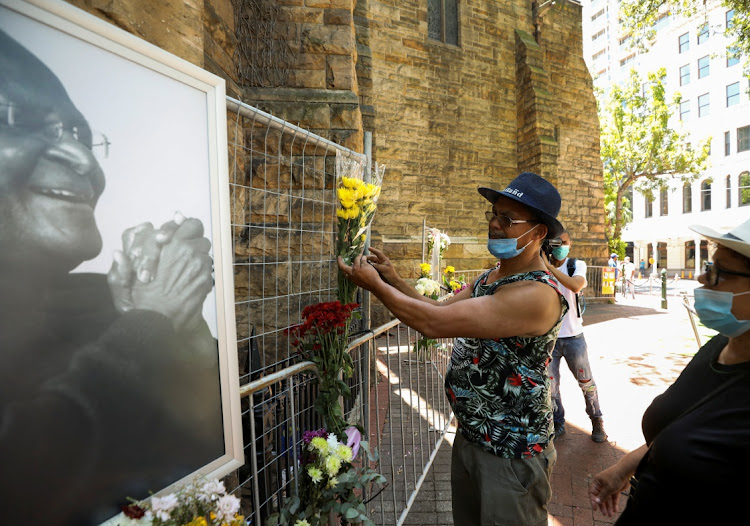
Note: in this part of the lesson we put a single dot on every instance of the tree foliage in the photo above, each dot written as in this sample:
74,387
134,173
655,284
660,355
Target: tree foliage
639,149
639,16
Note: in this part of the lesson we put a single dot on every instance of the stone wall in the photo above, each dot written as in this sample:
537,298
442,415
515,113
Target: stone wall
447,119
576,131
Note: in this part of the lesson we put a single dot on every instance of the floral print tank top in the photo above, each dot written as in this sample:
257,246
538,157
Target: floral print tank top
500,389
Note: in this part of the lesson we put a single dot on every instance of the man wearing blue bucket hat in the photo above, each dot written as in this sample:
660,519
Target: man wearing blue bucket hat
505,325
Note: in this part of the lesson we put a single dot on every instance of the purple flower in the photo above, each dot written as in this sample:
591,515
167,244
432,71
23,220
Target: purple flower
354,437
307,436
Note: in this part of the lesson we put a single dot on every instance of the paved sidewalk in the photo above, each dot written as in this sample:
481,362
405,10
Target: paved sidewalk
636,350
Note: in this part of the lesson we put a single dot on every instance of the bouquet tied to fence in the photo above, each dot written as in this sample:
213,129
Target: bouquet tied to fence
200,503
330,480
454,283
436,238
322,339
358,204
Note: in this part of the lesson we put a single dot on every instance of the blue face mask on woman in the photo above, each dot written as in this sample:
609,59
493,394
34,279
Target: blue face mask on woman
506,248
714,308
561,252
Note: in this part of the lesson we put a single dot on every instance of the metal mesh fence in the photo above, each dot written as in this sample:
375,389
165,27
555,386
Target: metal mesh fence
284,221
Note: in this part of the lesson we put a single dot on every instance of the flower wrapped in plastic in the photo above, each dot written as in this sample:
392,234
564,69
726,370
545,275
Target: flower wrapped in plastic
358,204
321,339
428,287
201,503
436,238
328,476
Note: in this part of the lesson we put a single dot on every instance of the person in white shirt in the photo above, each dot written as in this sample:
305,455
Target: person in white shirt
571,344
628,273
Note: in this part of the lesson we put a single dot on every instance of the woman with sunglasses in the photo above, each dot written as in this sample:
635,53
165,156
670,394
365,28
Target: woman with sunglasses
694,464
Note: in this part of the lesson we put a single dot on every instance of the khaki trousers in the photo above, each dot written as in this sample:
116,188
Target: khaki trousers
488,490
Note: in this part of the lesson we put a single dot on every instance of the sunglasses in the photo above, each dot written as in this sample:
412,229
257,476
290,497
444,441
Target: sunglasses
713,273
505,221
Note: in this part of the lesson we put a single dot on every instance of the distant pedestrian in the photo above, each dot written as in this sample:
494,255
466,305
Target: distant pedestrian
613,263
643,267
571,344
628,273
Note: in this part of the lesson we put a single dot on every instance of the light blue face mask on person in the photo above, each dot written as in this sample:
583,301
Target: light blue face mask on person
561,252
506,248
714,308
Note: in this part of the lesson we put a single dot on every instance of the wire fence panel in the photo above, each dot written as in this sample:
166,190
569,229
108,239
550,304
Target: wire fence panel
284,226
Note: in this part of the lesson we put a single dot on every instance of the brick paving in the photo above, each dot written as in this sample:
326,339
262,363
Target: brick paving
636,350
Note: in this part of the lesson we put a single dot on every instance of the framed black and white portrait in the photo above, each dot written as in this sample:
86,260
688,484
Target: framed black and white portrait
117,330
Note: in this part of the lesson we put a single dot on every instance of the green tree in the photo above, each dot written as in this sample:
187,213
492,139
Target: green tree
639,16
639,149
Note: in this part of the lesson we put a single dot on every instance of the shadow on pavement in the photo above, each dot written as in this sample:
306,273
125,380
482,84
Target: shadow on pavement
601,312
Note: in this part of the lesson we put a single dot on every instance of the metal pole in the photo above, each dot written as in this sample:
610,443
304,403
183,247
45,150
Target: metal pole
663,288
293,417
367,179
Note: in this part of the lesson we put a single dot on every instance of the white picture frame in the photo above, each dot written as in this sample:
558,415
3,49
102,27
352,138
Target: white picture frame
167,118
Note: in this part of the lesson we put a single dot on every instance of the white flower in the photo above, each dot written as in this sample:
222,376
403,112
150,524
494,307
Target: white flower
420,289
162,506
332,482
333,442
227,507
302,522
210,490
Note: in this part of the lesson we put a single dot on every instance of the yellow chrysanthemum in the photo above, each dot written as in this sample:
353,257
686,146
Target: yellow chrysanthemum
350,182
333,465
449,269
320,445
344,453
315,474
363,237
302,522
425,268
346,196
198,521
332,482
454,285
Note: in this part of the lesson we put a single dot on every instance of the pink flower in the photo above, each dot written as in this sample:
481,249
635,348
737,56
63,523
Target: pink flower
354,437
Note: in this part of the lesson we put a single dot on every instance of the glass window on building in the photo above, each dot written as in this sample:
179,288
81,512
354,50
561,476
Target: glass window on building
649,206
727,144
743,189
703,33
733,94
729,191
733,56
703,67
704,105
685,110
663,202
442,20
728,17
743,139
684,42
685,75
687,198
706,195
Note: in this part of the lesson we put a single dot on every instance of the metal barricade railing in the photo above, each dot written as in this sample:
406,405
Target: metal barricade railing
282,181
397,398
593,291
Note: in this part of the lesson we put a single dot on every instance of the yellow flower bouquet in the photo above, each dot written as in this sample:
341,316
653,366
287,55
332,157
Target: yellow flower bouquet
358,204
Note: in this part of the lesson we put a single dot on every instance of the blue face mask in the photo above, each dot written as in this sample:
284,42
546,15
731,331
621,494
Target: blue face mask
506,248
561,252
714,308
